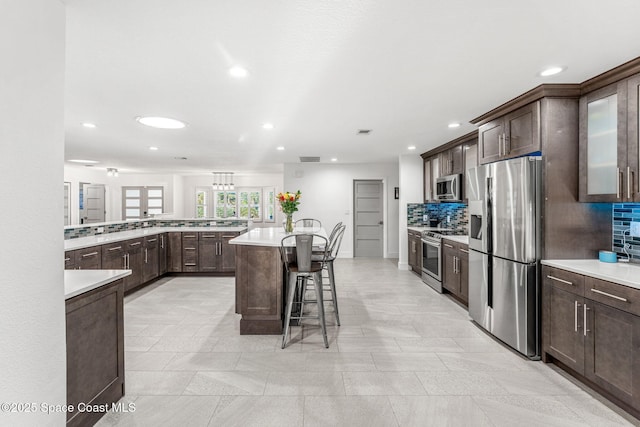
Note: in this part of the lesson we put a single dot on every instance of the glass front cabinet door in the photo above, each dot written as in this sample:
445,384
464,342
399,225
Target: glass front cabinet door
603,145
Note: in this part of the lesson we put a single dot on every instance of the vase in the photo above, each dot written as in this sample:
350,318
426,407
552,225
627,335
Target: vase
288,224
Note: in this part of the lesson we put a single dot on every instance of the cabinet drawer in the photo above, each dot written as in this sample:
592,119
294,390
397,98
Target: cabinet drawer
206,235
189,237
563,279
614,295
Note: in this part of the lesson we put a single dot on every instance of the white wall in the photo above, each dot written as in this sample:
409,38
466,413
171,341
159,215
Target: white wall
32,311
240,180
327,194
113,189
411,191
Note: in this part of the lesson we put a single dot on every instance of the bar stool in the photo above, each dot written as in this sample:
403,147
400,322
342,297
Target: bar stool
329,256
299,269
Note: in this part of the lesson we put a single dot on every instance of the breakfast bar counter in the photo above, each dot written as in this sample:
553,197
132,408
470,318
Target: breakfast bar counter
260,280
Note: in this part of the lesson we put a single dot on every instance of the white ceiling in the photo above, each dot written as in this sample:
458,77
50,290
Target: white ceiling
319,71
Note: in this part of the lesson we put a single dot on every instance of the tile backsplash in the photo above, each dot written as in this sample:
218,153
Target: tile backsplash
92,229
623,215
455,212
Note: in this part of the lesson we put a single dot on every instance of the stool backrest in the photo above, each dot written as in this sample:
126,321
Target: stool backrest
334,246
334,231
301,254
309,223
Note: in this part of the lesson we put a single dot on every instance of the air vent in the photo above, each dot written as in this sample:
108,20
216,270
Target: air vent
309,159
364,131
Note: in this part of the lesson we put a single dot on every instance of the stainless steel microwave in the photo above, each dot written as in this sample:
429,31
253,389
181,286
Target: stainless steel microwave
449,188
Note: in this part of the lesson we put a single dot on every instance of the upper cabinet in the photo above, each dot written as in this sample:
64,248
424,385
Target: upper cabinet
515,134
609,140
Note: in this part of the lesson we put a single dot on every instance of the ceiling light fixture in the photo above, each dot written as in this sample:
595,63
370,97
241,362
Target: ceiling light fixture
153,148
238,72
89,125
267,126
84,161
411,147
223,181
161,122
551,71
112,172
454,125
280,148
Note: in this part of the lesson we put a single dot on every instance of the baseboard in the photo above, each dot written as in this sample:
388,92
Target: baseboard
404,266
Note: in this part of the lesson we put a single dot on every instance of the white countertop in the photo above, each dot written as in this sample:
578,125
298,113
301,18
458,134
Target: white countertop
459,239
77,282
271,236
101,239
621,273
420,229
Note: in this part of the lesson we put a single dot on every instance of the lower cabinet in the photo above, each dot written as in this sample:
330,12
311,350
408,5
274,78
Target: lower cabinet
174,252
190,252
215,253
415,251
126,255
162,254
83,259
455,269
95,351
151,250
592,327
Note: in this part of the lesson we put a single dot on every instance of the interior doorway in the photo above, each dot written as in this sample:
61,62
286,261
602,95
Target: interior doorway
368,215
91,203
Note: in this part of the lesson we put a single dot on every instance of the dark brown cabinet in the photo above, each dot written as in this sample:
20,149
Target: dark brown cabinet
95,351
83,259
127,255
215,253
415,251
174,252
451,161
162,254
190,252
455,269
591,326
515,134
609,143
151,252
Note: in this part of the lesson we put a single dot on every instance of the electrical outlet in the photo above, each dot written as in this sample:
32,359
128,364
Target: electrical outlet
212,223
100,230
634,230
145,224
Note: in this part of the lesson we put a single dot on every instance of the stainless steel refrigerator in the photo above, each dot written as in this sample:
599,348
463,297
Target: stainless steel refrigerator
504,243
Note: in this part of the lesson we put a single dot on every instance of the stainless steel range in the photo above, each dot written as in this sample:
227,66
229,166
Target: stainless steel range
432,256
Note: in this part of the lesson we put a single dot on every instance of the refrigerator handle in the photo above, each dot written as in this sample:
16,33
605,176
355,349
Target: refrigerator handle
490,281
488,234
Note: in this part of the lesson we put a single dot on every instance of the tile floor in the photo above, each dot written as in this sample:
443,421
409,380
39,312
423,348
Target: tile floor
404,356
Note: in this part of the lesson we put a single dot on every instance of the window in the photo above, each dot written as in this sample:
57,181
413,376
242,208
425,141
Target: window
242,203
140,202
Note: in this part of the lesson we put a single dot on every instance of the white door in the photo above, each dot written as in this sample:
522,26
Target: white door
368,215
93,203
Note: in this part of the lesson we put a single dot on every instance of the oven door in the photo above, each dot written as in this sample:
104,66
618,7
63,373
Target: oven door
431,259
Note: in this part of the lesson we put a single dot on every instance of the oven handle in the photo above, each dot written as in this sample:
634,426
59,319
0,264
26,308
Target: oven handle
429,242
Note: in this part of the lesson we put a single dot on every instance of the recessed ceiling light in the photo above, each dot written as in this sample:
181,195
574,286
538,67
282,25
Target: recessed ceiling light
333,159
411,147
238,72
267,126
280,148
153,148
550,71
84,161
89,125
161,122
454,125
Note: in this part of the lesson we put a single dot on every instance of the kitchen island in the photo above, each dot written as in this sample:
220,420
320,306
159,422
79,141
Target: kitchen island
95,342
260,282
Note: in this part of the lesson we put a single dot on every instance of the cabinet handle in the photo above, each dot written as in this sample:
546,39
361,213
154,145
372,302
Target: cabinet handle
585,330
209,236
90,254
464,251
162,242
67,259
152,240
628,183
499,145
575,311
135,244
115,249
560,280
609,295
189,249
447,245
190,264
619,178
228,237
145,256
189,236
